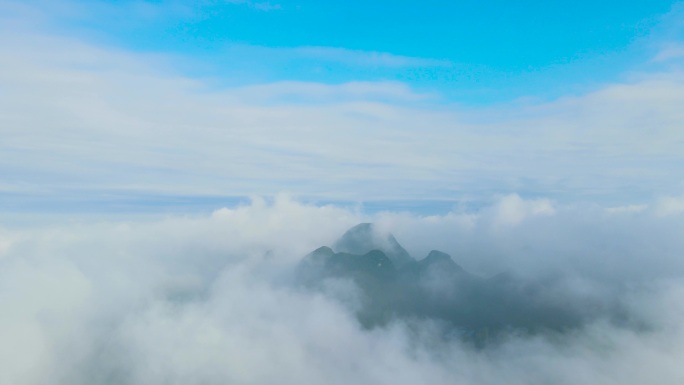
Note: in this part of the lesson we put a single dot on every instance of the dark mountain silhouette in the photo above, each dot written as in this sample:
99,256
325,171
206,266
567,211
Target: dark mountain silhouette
395,285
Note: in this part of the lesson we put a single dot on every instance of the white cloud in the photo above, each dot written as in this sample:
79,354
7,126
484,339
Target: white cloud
670,206
512,210
293,92
259,5
201,299
627,209
669,53
368,58
78,118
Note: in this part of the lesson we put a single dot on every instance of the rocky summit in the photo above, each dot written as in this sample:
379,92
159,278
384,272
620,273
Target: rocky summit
394,285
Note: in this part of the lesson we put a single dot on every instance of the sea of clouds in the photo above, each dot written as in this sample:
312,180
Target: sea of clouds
211,299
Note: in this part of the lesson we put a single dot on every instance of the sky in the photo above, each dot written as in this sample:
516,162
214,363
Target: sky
471,51
167,106
165,166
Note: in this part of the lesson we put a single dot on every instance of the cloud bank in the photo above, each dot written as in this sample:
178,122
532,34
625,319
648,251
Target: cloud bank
211,299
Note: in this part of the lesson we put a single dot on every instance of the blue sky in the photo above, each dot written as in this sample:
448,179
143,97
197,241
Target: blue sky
469,51
137,105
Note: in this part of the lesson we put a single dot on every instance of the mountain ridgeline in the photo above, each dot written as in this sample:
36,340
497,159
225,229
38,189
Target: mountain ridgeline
394,285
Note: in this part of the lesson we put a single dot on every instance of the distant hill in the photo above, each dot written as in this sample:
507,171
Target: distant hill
395,285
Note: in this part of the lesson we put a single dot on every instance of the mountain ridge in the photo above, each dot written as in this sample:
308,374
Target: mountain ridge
394,285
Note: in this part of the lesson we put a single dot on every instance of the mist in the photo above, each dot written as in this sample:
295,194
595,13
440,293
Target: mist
214,299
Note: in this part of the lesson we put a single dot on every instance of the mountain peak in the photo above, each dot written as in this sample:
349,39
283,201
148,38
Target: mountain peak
436,256
365,237
323,251
441,259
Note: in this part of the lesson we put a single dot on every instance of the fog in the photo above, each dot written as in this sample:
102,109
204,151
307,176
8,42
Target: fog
213,299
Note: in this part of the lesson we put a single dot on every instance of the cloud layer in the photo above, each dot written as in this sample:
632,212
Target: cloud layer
210,299
79,119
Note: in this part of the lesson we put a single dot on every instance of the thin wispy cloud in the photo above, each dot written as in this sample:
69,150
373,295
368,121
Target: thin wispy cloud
669,53
104,119
368,58
258,5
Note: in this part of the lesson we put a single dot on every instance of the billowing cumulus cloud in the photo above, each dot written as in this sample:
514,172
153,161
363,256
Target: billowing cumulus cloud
212,299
